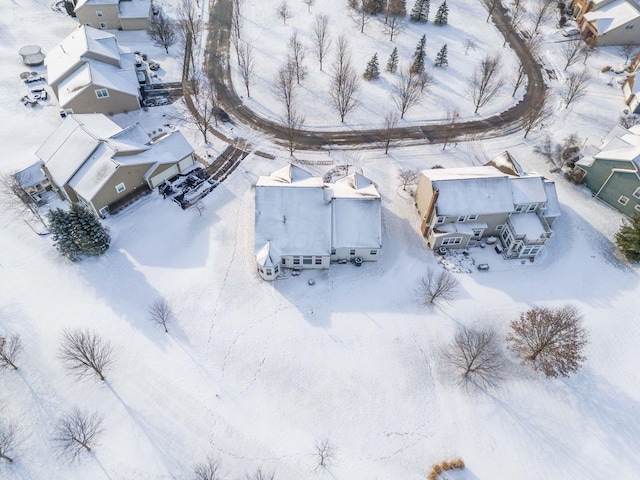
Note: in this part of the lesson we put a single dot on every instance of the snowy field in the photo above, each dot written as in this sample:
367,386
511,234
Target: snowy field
258,373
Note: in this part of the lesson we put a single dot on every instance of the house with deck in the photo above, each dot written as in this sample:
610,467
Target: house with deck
91,160
459,207
608,22
114,14
302,222
89,73
612,169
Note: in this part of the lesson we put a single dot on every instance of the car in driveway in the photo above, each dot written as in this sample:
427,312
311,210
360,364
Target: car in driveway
570,32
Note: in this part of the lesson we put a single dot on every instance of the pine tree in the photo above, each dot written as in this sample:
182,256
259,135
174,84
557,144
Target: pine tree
418,57
441,57
628,239
373,70
374,7
420,11
392,63
78,232
442,16
424,13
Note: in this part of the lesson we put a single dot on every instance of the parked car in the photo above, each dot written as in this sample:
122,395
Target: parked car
570,32
153,65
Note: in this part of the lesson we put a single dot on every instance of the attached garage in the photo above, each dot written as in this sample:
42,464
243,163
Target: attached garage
160,175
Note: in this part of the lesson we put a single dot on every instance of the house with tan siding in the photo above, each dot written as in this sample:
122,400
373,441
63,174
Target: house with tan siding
91,160
114,14
303,222
458,207
89,73
608,22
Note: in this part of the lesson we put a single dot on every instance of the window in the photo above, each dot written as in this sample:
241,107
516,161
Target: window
104,211
296,260
98,13
477,232
452,241
520,208
637,207
530,250
461,218
89,24
284,262
268,271
629,27
102,93
352,252
276,269
373,252
623,200
103,25
440,219
471,218
333,251
499,228
120,188
318,260
532,207
307,260
637,193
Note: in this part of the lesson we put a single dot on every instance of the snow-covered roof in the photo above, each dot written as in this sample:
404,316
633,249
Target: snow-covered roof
94,172
81,3
506,164
612,15
528,224
552,208
619,144
82,42
33,174
289,175
459,227
135,9
263,257
527,190
356,222
354,185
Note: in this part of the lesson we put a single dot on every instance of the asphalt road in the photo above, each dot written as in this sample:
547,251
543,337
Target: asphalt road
507,122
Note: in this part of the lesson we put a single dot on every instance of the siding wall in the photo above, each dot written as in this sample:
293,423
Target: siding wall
131,176
116,102
87,15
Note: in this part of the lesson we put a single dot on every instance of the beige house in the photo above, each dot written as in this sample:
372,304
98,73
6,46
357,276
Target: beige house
301,222
631,91
608,22
460,206
91,160
89,73
114,14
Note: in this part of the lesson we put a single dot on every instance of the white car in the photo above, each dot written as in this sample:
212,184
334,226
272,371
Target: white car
570,32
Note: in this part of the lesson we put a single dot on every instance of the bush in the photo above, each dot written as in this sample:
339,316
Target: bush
441,467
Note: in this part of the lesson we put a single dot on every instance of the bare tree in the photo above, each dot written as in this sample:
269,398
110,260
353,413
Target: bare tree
85,353
284,87
406,92
10,349
260,474
572,51
537,114
77,432
628,50
408,177
360,15
517,80
309,4
16,196
284,12
204,98
296,55
576,87
246,64
434,287
541,12
162,31
551,340
486,81
475,356
325,453
237,22
469,44
160,312
189,20
394,26
321,40
8,440
490,5
390,122
345,83
208,470
294,122
450,121
513,20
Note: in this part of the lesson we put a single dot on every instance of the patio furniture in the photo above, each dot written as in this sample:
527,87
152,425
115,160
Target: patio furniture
31,55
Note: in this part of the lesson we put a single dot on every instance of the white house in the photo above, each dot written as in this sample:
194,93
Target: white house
302,222
614,22
89,73
91,160
460,206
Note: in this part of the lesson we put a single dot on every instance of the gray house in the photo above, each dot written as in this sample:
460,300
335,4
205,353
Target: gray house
611,170
460,206
91,160
114,14
302,222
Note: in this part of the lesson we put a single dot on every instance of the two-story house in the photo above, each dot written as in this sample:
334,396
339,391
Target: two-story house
608,22
114,14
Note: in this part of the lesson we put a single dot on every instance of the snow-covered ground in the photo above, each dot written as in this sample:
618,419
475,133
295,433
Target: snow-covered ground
257,373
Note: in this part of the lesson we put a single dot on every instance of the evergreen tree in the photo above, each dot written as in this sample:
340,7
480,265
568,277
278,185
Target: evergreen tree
441,57
442,16
628,239
374,7
78,232
424,13
392,63
373,70
418,57
420,11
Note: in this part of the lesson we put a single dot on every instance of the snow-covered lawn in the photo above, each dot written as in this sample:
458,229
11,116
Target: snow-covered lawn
258,373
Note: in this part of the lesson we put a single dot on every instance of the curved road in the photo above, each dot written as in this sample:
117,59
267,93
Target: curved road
509,121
